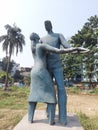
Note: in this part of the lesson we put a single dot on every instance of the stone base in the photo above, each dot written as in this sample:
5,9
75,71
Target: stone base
41,123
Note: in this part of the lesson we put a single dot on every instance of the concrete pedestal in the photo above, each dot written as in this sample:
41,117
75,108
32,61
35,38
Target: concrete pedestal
41,123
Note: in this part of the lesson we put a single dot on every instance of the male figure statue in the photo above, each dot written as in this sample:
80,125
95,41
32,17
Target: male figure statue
55,69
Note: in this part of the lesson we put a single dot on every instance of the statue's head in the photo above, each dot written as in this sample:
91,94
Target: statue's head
48,25
34,37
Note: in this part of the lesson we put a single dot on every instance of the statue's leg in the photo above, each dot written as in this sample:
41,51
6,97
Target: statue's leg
47,104
62,97
47,111
51,113
31,109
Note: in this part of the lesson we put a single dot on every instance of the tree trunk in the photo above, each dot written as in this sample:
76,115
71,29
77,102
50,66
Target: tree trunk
6,78
90,80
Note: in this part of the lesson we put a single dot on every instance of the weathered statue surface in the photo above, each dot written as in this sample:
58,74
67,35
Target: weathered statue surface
54,66
55,69
42,89
46,55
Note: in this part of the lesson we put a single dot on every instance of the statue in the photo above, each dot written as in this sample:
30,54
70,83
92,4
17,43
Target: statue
55,69
42,89
54,66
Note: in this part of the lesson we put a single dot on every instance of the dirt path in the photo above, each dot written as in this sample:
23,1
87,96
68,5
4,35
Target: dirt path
85,103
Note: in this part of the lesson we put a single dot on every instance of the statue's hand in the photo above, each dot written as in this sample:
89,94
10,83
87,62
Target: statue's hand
74,50
83,49
68,50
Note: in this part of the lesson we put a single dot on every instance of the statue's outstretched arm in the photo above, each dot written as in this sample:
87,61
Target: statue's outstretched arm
56,50
62,51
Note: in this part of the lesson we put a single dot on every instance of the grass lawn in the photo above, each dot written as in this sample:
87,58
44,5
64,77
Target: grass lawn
13,106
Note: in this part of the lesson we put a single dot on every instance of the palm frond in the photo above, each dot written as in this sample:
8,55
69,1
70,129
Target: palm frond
7,26
2,38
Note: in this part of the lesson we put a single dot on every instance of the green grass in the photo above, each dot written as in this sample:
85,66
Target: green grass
9,118
89,123
75,90
13,106
95,91
14,99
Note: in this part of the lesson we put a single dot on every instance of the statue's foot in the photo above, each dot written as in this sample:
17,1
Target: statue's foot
30,122
52,123
47,115
63,122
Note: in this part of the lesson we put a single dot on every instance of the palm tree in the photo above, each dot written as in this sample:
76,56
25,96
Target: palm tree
13,40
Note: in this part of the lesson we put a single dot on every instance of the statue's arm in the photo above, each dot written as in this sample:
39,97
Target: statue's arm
49,48
75,50
64,42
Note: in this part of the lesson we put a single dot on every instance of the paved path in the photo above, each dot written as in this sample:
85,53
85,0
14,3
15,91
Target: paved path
41,123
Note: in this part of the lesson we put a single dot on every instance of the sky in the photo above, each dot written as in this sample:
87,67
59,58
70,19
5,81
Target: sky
67,17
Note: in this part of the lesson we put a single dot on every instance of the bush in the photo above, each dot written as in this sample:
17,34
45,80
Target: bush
74,89
89,123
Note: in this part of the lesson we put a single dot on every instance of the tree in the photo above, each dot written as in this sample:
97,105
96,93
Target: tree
4,64
17,76
3,76
71,65
88,37
14,39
